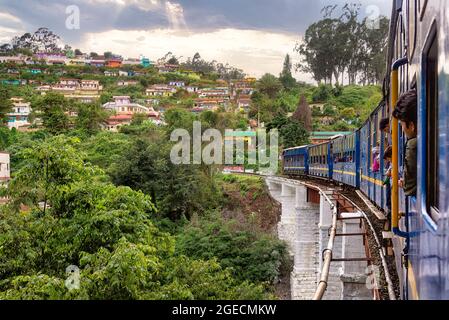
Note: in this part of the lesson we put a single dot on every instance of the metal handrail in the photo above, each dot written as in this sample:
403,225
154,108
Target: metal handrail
327,253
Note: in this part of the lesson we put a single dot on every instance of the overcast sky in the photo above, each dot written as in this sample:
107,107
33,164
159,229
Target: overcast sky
254,35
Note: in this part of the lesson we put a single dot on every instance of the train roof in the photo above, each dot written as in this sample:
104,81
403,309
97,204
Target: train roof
294,148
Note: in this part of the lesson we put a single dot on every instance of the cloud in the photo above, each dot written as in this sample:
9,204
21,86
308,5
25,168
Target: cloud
180,19
10,26
175,14
256,52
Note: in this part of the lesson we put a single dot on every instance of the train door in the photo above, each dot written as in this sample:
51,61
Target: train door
357,159
329,159
364,157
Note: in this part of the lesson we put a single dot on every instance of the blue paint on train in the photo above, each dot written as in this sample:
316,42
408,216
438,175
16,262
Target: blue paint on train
425,271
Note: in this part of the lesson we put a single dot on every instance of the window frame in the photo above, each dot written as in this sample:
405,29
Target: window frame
430,216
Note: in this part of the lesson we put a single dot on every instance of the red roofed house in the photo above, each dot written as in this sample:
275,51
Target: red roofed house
124,110
114,63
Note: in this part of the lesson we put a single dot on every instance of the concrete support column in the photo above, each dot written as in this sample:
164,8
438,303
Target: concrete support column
325,213
286,190
301,197
304,275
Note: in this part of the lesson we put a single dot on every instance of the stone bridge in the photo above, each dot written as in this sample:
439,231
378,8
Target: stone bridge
305,221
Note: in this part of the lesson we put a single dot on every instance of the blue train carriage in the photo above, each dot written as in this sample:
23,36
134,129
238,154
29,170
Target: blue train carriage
372,144
418,55
346,159
296,161
320,160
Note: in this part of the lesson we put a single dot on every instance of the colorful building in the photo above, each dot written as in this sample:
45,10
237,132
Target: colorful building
19,116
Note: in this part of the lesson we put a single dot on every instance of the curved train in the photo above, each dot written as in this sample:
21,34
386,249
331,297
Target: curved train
418,58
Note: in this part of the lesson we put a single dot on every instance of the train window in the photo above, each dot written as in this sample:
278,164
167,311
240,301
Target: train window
433,194
411,15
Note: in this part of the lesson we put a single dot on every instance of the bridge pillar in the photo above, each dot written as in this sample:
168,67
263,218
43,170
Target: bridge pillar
286,190
272,186
301,196
304,275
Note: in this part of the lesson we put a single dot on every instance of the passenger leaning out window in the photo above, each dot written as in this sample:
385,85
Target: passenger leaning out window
406,112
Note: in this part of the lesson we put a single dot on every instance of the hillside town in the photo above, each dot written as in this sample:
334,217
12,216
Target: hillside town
48,72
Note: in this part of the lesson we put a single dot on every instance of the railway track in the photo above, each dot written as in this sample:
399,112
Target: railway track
372,221
389,282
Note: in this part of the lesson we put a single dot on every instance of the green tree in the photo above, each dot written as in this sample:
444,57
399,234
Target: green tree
269,85
286,75
177,190
179,119
90,118
50,164
52,109
5,102
293,134
106,231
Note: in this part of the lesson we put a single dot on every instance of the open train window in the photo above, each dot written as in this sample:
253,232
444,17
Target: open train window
433,190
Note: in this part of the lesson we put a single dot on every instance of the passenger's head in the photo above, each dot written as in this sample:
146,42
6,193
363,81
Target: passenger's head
406,112
384,125
388,154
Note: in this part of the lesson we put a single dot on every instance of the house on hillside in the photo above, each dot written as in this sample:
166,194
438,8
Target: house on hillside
243,87
209,104
131,62
127,83
108,73
166,68
114,63
192,89
145,62
160,90
177,84
85,91
5,170
244,103
124,110
19,115
97,62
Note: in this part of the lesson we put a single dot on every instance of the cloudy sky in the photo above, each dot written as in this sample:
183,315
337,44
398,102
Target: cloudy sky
254,35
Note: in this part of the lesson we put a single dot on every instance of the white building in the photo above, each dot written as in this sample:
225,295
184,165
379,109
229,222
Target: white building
123,104
19,116
5,170
177,84
191,89
158,90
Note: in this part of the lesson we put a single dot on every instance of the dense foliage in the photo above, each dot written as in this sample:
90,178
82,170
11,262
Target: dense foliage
127,243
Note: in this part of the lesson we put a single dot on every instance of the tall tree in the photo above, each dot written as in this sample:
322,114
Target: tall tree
286,75
337,46
303,114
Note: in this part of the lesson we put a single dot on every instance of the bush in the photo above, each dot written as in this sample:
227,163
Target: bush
254,257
